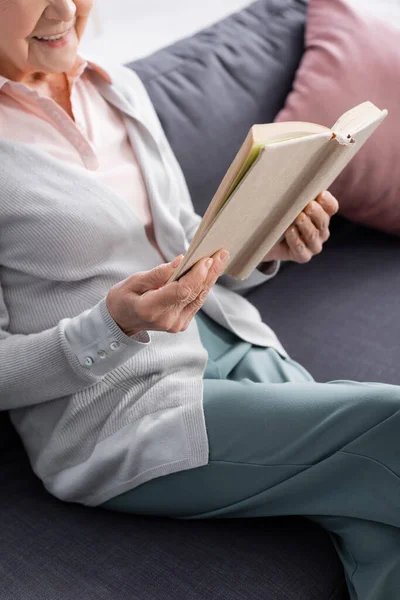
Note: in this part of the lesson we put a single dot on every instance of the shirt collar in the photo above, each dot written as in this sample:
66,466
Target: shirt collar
79,67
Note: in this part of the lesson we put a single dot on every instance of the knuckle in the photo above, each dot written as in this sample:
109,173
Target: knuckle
153,276
197,303
203,296
216,269
183,293
304,255
194,295
312,208
217,272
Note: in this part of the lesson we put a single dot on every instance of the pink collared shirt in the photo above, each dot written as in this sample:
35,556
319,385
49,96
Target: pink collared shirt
96,141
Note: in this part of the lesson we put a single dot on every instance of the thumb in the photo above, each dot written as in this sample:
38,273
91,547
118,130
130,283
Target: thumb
152,280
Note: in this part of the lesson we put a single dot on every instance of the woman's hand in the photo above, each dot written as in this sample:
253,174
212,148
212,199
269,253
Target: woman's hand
307,234
144,301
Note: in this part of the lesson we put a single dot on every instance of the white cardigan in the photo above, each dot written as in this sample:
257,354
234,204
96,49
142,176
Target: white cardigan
95,427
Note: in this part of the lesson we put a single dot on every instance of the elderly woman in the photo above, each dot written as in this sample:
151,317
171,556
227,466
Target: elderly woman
159,398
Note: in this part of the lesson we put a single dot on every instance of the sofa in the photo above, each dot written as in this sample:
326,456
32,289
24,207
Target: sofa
335,315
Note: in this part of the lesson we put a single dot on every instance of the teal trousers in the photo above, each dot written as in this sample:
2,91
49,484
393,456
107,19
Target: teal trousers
283,444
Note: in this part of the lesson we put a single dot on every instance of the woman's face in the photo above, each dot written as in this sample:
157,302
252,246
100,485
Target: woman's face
22,54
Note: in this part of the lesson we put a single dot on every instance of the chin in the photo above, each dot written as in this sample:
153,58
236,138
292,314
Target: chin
60,66
62,60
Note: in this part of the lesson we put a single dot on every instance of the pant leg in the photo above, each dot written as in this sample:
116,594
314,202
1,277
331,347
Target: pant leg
330,452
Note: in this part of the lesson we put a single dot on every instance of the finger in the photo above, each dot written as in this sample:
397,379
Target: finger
318,216
328,203
282,249
144,281
309,233
194,301
214,273
182,292
189,311
299,252
217,268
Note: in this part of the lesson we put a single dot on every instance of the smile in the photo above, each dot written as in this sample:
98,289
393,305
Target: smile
51,38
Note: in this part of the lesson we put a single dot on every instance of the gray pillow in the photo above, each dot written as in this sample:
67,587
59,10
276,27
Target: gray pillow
210,88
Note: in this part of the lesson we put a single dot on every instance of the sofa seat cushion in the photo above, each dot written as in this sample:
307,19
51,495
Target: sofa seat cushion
337,315
50,549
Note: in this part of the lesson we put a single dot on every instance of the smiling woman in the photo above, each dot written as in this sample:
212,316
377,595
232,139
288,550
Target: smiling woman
113,408
39,40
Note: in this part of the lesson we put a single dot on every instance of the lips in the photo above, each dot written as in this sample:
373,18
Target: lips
51,38
48,36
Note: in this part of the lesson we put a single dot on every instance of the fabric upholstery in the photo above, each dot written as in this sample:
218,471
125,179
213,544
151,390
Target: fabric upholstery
211,88
337,314
49,549
351,56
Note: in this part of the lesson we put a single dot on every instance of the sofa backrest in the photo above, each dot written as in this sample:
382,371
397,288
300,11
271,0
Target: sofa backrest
210,88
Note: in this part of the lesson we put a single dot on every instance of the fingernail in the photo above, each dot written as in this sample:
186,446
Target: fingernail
208,263
223,257
326,195
176,261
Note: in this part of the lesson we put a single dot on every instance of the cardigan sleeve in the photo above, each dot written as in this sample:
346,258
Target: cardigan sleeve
189,219
62,360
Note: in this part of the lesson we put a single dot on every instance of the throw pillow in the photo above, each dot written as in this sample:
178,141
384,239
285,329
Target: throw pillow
351,57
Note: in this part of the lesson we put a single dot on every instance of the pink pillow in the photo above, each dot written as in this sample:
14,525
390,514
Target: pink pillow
351,57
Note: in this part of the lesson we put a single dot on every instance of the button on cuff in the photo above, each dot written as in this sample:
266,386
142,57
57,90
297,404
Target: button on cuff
96,344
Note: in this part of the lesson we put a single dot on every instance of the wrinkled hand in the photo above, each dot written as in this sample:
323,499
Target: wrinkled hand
307,234
145,301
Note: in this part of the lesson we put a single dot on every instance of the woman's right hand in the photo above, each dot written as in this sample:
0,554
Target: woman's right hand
144,301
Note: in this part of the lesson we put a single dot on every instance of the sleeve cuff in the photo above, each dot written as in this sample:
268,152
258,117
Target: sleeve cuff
269,268
257,277
98,344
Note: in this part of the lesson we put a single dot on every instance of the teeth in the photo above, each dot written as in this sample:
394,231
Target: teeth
50,38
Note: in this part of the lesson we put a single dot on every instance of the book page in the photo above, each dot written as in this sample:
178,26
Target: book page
356,119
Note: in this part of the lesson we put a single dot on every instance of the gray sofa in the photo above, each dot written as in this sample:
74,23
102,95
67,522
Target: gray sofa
335,315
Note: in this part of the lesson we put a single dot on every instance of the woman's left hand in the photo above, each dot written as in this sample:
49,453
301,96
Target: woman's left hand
307,234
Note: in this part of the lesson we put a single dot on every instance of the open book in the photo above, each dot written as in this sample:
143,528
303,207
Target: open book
278,170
